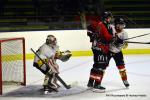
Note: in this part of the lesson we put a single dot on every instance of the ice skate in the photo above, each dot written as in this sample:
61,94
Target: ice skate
125,82
46,89
90,86
99,89
49,90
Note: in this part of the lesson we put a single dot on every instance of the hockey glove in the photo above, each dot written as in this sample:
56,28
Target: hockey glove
65,55
125,45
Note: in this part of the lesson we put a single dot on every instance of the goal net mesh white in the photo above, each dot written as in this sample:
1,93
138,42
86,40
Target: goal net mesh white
12,62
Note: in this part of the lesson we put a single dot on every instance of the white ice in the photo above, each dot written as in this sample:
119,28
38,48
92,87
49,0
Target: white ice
76,71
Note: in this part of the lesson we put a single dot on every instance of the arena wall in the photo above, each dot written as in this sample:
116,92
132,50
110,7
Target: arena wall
77,41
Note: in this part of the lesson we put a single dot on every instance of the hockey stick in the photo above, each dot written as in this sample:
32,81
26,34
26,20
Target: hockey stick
138,42
137,36
57,76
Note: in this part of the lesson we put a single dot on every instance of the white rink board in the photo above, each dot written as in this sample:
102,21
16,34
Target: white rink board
136,32
74,40
69,39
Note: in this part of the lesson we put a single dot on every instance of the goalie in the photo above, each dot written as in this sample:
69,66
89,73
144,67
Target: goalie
49,53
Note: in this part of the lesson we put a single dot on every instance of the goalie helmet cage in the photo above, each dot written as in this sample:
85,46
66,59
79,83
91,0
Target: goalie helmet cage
12,62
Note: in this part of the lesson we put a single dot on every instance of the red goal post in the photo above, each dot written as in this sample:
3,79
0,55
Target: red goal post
12,62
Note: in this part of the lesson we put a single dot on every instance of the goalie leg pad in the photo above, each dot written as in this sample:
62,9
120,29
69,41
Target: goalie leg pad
46,79
52,82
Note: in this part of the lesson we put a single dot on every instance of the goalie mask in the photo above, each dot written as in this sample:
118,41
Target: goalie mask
51,40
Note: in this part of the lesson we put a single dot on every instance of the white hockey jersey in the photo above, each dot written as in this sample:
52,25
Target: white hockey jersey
117,48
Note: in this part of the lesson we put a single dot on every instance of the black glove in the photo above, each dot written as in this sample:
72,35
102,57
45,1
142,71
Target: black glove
91,33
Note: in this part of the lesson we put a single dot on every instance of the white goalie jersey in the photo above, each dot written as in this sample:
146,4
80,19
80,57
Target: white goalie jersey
46,52
117,48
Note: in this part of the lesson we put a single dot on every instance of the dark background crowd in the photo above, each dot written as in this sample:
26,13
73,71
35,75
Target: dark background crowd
24,15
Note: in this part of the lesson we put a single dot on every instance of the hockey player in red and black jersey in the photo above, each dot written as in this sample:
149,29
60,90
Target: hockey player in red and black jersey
100,35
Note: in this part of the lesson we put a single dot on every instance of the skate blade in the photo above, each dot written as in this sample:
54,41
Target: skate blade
98,91
127,87
48,92
89,88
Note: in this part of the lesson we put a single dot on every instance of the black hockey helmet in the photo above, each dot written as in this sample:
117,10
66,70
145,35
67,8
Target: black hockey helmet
119,21
119,24
106,14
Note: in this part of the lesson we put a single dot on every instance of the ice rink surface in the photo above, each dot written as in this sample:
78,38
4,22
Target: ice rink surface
76,72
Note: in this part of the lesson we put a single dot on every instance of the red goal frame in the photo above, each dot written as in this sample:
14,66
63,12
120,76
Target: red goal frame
24,59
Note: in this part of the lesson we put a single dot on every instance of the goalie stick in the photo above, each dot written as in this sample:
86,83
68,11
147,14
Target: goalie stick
57,76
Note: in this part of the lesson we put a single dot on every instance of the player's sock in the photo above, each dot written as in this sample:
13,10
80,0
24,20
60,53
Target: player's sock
123,75
97,86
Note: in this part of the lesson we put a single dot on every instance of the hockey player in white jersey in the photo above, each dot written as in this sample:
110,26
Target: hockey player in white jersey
49,52
116,48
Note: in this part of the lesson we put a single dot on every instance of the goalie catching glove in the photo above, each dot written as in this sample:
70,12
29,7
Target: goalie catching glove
63,56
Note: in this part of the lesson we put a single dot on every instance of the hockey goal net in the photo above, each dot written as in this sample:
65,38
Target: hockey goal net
12,63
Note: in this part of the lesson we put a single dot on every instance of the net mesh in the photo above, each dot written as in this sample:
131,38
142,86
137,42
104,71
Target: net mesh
12,62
